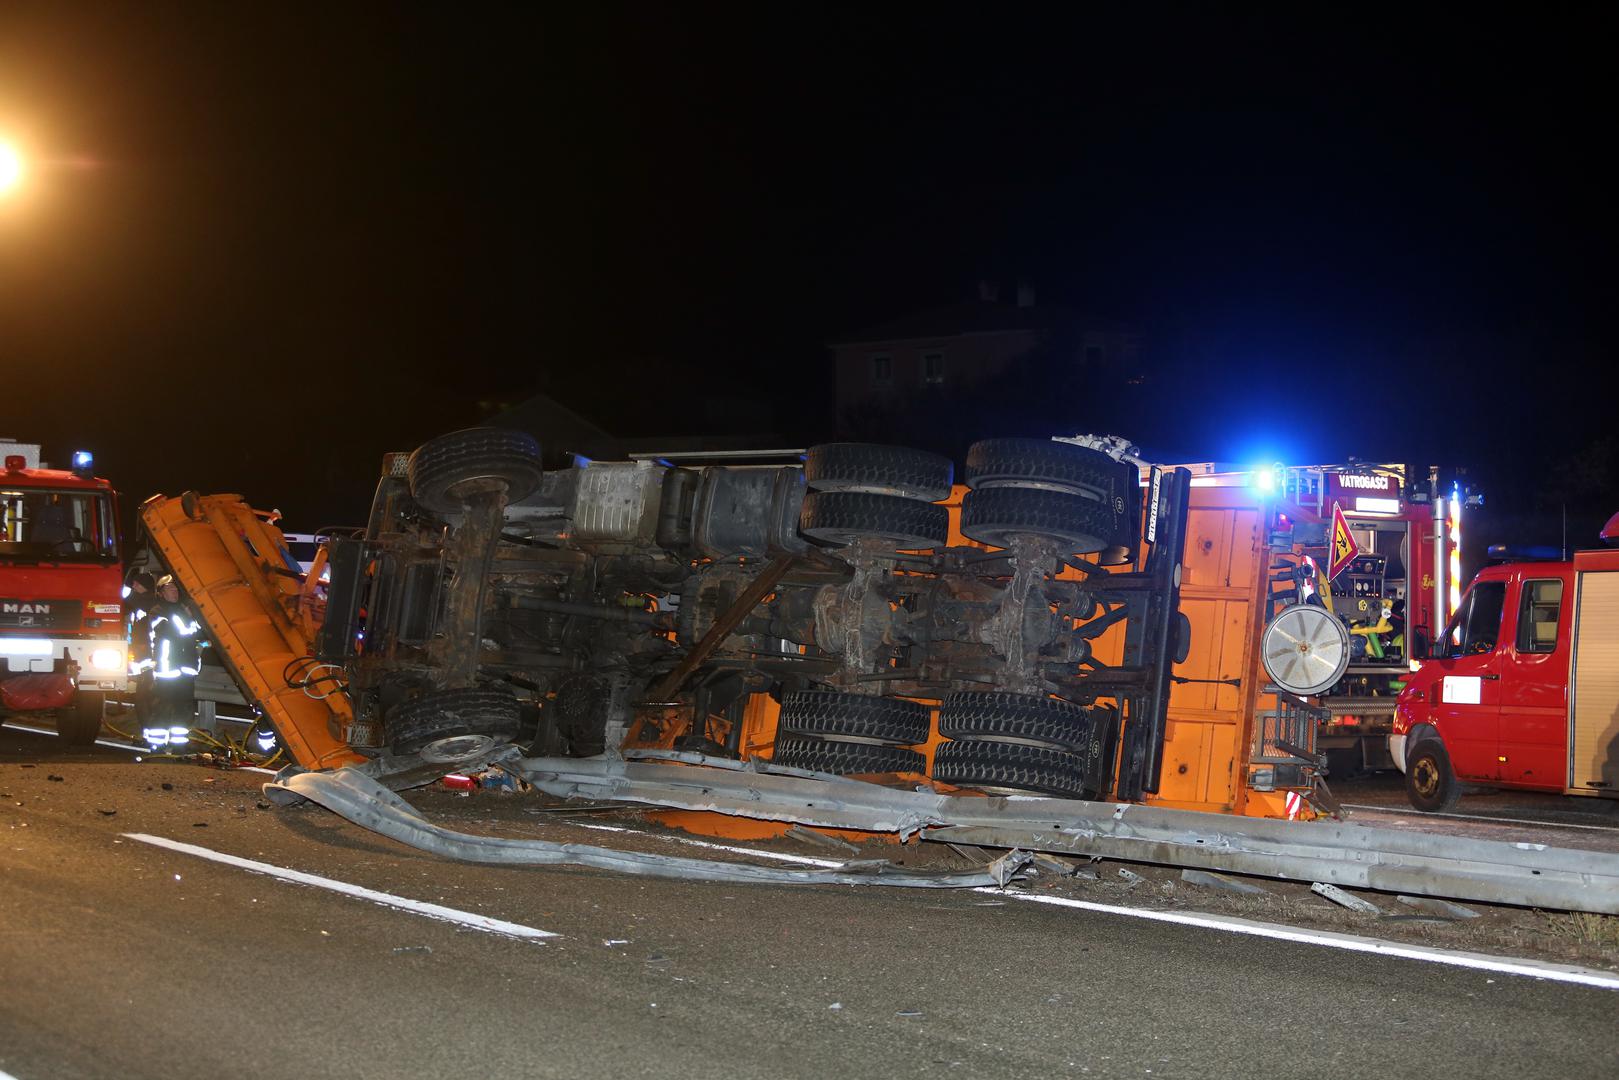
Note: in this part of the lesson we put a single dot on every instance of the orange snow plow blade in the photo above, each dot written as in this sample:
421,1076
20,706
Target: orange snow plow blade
261,614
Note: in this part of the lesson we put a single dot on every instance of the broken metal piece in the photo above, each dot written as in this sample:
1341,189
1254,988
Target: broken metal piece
1435,906
1131,878
1220,881
1058,866
1344,899
365,802
810,836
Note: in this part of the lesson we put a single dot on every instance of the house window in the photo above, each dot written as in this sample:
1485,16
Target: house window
882,369
1537,615
933,367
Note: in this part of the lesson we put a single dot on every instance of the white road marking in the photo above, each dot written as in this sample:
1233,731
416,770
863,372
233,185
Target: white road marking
1534,969
6,1076
1480,817
418,907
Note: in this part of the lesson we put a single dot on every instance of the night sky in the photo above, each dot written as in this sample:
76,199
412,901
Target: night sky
261,245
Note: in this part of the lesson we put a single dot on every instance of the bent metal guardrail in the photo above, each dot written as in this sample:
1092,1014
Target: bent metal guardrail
1338,853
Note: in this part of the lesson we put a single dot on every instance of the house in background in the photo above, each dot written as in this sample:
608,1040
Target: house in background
952,348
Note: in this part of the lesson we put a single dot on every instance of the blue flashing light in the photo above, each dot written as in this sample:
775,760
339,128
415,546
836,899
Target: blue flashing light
580,461
1267,479
83,460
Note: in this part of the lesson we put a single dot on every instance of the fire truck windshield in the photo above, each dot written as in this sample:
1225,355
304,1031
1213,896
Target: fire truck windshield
39,525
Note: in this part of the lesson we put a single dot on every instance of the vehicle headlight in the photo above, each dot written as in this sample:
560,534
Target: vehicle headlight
108,659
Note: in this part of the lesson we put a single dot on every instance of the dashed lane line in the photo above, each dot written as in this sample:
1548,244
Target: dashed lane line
417,907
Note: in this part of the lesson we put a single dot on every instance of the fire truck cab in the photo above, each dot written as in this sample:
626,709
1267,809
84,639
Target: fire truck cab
1521,690
62,642
1406,537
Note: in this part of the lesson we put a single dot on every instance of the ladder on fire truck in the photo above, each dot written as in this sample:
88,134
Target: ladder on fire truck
261,613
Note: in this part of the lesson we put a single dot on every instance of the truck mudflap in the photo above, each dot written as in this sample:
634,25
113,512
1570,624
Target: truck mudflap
1333,852
259,614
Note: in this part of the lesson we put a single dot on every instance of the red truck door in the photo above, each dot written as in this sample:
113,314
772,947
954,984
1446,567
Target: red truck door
1468,712
1534,681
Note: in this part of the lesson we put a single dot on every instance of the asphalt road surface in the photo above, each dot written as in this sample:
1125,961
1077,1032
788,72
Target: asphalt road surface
120,958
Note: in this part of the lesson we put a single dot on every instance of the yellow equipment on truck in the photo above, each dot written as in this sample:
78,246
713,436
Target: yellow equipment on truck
262,612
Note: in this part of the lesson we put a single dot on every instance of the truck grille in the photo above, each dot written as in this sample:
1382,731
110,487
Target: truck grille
41,614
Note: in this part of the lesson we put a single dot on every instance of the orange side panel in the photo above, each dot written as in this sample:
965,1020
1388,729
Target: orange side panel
227,559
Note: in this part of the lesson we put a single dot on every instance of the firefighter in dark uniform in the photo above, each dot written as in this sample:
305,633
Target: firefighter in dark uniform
174,636
140,596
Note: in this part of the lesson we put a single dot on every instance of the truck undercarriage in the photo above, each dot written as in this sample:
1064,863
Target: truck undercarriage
638,603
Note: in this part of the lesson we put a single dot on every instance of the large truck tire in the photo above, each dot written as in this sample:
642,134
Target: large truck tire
1011,768
1006,717
442,469
80,724
845,758
1430,782
1078,524
1054,466
859,718
839,518
879,470
438,715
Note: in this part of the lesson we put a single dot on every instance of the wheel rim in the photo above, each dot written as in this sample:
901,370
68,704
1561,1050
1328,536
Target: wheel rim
1425,777
456,748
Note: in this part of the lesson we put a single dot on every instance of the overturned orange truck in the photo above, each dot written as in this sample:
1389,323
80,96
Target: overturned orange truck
1069,621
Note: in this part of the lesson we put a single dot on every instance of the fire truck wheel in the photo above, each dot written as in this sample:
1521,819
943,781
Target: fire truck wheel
879,470
80,725
840,518
1005,717
1011,769
441,715
857,718
1430,782
444,470
1055,466
845,758
1077,524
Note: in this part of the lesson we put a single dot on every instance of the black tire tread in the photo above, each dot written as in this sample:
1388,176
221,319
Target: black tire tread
999,715
845,758
832,713
992,462
993,515
440,714
892,470
841,517
1035,769
1450,790
442,462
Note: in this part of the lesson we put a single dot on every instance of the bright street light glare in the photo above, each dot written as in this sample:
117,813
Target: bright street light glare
11,168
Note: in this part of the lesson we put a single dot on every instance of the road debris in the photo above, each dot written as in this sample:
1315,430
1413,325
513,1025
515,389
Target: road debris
798,832
1211,880
1344,899
1435,906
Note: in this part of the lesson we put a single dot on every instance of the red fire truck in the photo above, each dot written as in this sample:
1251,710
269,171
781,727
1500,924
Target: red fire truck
1393,591
1522,688
62,643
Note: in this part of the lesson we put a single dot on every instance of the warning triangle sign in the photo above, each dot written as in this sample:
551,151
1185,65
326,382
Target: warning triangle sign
1344,548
